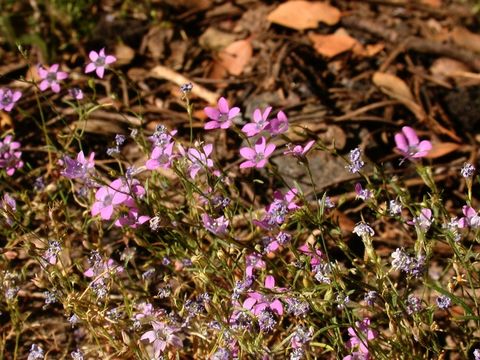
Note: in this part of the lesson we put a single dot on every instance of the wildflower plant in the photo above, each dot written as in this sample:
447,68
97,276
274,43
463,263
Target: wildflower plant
176,252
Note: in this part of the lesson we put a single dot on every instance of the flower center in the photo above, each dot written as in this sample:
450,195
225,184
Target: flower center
51,77
100,61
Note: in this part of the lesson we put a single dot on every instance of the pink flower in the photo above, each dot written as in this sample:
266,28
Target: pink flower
216,226
51,77
99,61
161,156
199,160
278,125
257,302
9,156
260,122
8,98
108,197
362,193
131,218
258,155
315,255
102,269
471,218
221,117
360,342
161,336
410,146
299,151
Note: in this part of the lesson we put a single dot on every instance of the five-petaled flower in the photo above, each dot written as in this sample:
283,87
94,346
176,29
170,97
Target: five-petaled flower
161,336
221,116
79,168
410,146
8,98
51,77
99,61
257,302
258,155
260,122
9,155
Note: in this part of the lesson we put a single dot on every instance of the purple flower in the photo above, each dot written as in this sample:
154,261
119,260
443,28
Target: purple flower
8,98
99,61
278,125
36,353
363,229
260,122
216,226
278,209
254,261
410,146
221,116
356,163
467,170
258,155
471,218
52,251
51,77
315,255
9,206
443,302
76,93
257,302
9,156
79,168
424,220
298,151
161,336
363,194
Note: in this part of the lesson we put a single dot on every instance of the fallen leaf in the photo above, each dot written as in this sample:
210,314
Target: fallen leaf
448,67
466,39
124,54
442,149
5,121
333,44
216,40
301,15
236,56
396,88
393,84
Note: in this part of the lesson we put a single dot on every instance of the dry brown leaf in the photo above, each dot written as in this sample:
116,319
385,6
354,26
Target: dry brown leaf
5,121
396,88
124,54
448,67
392,84
332,45
301,15
466,39
235,57
442,149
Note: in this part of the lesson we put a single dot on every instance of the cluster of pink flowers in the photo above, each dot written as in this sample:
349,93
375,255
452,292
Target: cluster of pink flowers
119,196
162,153
161,336
52,76
10,155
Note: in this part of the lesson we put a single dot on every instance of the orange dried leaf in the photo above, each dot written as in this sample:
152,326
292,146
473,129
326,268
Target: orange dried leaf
442,149
301,15
334,44
466,39
236,56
